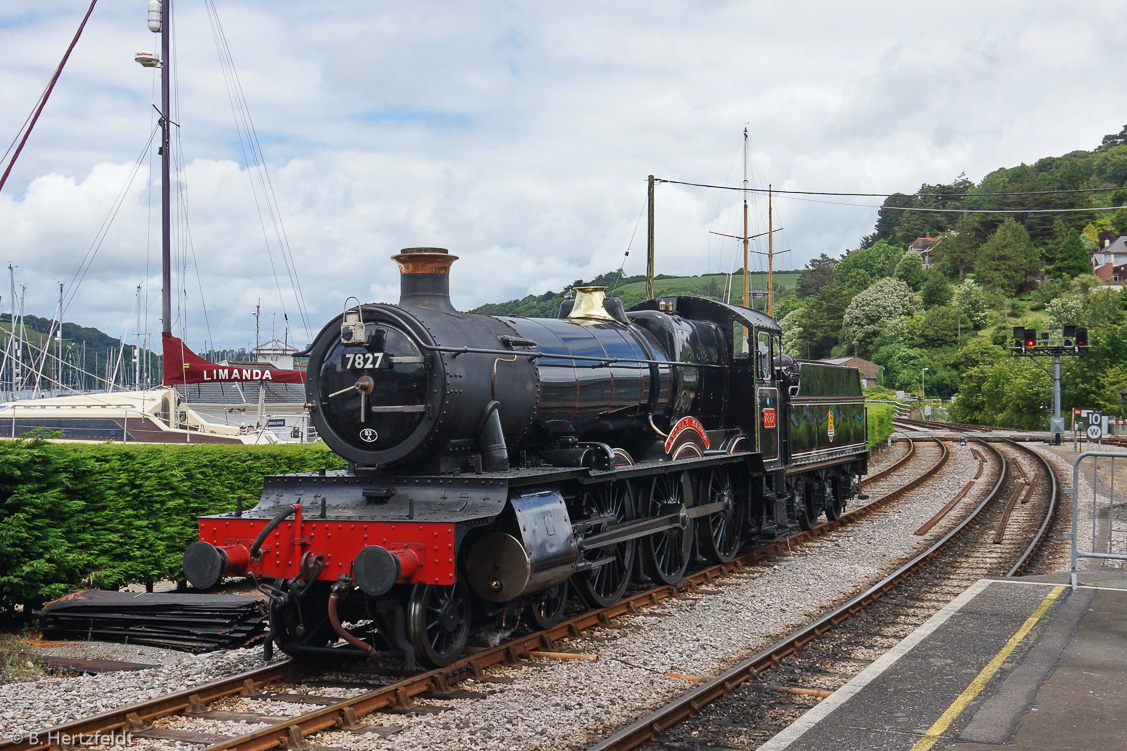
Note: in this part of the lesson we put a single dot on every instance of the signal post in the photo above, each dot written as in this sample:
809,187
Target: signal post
1069,341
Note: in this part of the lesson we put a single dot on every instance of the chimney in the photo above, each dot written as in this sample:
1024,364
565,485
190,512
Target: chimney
424,278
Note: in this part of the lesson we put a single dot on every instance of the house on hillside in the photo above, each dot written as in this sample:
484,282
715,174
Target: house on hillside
870,371
923,246
1109,262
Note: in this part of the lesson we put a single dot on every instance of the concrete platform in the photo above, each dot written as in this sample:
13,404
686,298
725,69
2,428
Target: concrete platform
1021,664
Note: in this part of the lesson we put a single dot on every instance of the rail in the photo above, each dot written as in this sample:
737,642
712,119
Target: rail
400,694
689,704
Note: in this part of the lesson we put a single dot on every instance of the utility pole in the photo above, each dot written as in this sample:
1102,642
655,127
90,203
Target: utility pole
650,243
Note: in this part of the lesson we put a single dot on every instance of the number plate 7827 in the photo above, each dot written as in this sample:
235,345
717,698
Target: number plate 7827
361,360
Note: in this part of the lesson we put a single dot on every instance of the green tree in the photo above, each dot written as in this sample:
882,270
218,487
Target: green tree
910,270
955,253
978,352
939,327
936,290
970,300
860,268
1007,258
871,309
818,273
1072,259
1065,310
821,320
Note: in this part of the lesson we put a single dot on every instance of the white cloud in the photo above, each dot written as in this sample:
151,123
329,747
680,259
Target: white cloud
518,135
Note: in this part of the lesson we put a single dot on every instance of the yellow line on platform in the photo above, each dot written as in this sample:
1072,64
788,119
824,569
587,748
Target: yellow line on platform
980,681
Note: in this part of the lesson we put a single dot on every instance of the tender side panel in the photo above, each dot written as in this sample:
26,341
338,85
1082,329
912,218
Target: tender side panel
825,429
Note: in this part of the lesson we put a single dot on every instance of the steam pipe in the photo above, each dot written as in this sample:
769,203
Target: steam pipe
281,516
494,452
341,587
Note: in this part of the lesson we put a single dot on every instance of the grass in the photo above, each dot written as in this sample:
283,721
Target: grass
14,668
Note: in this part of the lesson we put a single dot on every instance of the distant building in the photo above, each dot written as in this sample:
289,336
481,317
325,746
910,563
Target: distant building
1109,261
923,246
870,371
277,353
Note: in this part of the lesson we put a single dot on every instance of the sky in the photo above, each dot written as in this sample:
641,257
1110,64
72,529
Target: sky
518,135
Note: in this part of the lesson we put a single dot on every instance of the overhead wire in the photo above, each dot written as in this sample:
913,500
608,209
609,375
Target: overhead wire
962,211
920,194
255,159
103,230
630,244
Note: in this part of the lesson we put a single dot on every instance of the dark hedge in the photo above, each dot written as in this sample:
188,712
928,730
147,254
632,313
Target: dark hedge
104,515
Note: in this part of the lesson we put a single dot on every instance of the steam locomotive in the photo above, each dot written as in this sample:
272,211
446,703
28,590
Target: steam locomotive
499,464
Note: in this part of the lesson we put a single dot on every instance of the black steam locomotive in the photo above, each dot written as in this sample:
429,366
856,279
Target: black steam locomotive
497,464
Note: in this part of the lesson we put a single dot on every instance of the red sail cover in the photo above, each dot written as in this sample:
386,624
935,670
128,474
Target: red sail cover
183,366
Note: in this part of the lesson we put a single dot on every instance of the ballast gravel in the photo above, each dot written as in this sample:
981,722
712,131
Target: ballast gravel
30,707
643,661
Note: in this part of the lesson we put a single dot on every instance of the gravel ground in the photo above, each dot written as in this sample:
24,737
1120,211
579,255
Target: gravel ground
542,708
695,636
27,707
1087,512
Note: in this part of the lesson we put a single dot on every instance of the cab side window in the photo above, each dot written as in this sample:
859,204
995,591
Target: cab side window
740,334
765,356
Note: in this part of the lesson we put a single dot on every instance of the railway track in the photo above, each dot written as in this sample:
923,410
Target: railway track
287,682
774,687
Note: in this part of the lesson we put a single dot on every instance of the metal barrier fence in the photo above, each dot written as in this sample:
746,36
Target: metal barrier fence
1099,512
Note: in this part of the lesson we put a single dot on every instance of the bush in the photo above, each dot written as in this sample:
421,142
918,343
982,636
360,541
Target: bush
104,515
879,423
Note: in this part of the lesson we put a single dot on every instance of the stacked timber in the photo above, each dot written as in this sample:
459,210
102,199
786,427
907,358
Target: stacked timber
191,622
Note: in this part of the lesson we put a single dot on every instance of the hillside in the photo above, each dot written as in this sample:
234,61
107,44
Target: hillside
632,290
88,353
1012,250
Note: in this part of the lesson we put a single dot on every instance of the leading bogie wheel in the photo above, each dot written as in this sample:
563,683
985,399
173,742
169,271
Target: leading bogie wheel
721,533
438,622
302,621
666,554
545,609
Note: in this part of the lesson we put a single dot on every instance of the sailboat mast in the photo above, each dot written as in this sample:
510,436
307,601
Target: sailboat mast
770,257
745,218
163,15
